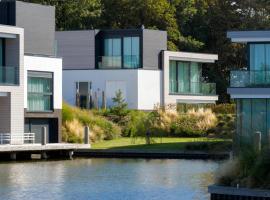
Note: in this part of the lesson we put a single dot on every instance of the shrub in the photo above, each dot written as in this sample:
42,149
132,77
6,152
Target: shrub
72,131
194,123
100,127
250,169
225,127
223,108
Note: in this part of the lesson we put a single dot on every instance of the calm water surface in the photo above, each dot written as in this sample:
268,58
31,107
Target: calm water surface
105,179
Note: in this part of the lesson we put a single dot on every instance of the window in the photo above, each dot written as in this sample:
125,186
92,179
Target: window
40,91
131,52
83,94
259,57
185,77
253,115
112,53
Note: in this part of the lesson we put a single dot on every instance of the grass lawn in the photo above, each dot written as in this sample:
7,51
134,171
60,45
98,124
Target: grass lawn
167,144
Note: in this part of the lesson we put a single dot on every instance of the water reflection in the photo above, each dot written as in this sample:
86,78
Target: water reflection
107,179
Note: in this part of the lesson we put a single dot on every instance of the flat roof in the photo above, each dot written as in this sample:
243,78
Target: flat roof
189,56
249,36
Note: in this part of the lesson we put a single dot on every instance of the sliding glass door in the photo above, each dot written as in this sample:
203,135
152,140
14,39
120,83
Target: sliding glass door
183,77
195,75
112,53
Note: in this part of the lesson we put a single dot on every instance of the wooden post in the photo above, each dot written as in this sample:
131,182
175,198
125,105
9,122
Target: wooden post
258,140
44,136
95,100
103,100
86,135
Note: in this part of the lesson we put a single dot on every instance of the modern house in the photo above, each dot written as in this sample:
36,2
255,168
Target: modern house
98,63
250,87
30,74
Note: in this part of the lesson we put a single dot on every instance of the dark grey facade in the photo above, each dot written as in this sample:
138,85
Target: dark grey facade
77,48
154,41
84,49
38,22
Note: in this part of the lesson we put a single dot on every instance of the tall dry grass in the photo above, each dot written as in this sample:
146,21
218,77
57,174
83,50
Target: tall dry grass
205,118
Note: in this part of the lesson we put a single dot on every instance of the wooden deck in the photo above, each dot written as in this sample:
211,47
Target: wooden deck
38,147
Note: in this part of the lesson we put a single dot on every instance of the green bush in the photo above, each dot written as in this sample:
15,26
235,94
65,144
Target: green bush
223,108
225,127
194,123
74,119
216,108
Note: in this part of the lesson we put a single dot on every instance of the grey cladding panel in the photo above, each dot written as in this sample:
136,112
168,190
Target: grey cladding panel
77,48
38,22
154,42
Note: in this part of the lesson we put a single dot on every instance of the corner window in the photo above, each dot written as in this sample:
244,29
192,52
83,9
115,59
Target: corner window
40,91
131,52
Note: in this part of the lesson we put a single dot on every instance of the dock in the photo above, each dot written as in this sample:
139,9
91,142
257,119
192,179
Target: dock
39,151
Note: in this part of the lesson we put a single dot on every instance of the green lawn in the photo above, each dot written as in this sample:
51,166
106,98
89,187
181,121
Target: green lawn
167,144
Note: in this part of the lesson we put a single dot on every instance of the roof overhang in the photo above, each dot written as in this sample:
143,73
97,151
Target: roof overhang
249,92
249,36
192,57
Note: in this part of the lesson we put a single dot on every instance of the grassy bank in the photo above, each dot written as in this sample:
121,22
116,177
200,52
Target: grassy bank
167,144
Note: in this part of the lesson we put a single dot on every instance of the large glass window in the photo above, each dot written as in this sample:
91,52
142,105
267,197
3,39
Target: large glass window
259,63
131,52
173,77
185,77
112,53
40,91
252,116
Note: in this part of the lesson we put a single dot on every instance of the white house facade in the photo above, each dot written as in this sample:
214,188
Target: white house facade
98,63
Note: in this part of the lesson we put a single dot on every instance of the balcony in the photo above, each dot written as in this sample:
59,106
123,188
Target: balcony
244,78
9,75
110,62
192,88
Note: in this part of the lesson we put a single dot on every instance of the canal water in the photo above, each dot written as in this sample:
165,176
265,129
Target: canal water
107,179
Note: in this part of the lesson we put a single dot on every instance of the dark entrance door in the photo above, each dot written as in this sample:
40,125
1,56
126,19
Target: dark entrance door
35,126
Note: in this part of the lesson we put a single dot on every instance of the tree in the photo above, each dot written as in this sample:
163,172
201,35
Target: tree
120,109
74,15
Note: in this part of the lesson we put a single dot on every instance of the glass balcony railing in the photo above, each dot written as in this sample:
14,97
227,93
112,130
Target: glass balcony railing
108,62
196,88
244,78
9,75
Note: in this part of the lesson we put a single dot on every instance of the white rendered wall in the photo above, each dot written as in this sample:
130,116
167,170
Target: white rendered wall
142,87
149,89
99,79
14,57
45,64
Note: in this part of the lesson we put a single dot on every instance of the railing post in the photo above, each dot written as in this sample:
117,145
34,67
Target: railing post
44,136
86,135
258,139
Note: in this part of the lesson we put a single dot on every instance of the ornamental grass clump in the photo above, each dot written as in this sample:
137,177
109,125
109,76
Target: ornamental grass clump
75,119
194,123
206,119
